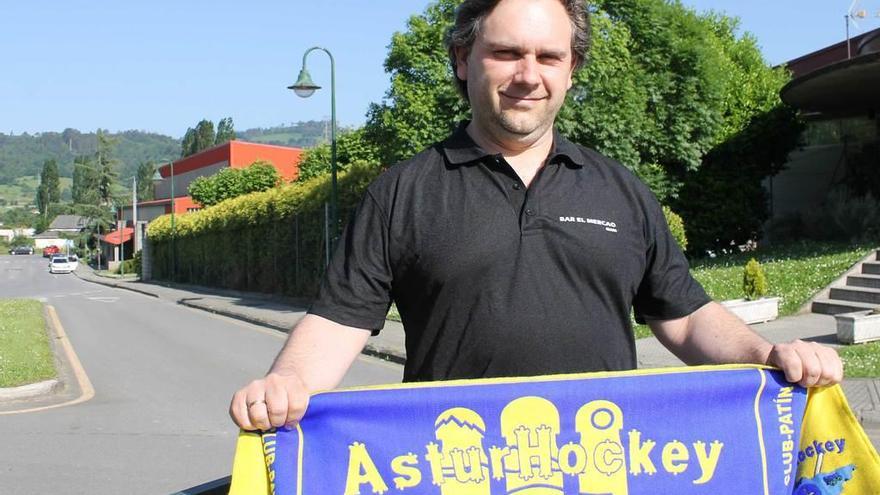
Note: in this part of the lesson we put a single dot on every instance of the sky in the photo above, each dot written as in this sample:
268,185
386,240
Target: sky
162,66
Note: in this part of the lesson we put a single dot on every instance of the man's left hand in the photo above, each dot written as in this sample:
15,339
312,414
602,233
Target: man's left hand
807,363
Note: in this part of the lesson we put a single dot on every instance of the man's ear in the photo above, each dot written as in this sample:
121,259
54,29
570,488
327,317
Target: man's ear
461,62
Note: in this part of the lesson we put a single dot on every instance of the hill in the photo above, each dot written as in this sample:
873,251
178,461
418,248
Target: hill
23,155
299,135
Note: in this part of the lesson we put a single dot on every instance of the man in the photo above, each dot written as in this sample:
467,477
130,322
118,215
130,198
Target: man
508,249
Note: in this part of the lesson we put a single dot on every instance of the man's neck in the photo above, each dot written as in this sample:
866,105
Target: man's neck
526,157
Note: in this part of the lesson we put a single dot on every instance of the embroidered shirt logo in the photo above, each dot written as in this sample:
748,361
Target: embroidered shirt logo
609,226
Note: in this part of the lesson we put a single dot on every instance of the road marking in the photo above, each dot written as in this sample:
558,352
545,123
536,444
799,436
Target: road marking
85,385
104,299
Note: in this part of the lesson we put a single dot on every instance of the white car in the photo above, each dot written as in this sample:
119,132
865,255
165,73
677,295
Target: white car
60,264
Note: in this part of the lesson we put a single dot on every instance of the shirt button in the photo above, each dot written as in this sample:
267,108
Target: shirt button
516,186
530,212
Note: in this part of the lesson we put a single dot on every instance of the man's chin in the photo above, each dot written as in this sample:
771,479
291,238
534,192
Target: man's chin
521,127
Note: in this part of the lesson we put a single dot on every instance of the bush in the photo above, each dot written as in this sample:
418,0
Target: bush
754,280
272,241
137,263
844,215
676,227
127,266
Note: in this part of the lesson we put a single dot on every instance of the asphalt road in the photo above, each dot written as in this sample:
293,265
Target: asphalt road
163,375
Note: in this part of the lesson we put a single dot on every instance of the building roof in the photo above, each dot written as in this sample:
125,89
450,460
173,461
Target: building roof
848,87
68,222
113,237
858,45
239,154
49,234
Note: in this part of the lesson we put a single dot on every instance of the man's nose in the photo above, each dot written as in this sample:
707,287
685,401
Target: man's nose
527,71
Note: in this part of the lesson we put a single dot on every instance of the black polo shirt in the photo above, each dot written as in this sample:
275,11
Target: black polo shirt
492,278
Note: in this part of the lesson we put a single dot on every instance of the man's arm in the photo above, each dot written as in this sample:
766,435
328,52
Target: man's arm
315,357
713,335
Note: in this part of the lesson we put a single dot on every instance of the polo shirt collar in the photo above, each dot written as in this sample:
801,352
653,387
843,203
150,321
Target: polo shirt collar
460,149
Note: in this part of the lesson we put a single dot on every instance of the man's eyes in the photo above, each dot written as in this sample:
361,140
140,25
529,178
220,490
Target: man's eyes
549,58
506,54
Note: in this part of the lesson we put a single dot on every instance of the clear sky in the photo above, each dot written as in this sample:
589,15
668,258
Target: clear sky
164,65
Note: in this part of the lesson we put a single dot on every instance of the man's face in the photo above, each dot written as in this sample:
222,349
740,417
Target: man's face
519,68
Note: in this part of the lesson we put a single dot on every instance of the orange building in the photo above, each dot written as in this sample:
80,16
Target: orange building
234,154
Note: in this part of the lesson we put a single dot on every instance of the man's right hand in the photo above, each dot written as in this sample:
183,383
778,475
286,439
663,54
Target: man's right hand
273,401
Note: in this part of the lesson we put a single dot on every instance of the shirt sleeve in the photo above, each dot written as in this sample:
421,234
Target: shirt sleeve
356,288
667,290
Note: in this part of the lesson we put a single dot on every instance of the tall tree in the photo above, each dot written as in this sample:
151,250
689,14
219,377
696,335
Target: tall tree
225,131
204,135
145,173
49,177
42,199
106,166
188,145
85,181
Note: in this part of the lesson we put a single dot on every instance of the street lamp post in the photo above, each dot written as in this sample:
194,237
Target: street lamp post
304,87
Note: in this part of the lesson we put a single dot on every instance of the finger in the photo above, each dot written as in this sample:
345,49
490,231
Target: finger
832,366
238,411
298,403
810,362
256,409
276,403
784,357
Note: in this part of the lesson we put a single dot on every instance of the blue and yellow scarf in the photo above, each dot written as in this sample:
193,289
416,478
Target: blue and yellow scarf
718,430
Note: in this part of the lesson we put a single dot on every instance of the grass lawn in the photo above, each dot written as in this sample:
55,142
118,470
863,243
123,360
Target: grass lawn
861,360
25,356
795,272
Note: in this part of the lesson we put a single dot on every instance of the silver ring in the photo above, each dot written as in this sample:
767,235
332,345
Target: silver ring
259,401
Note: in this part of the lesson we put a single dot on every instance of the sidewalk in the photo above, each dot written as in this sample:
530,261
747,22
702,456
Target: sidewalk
281,314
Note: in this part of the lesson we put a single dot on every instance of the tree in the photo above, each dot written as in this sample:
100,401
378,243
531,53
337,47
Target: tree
225,131
50,178
231,182
422,104
42,199
86,179
205,136
351,147
106,167
202,137
48,191
662,88
188,145
145,172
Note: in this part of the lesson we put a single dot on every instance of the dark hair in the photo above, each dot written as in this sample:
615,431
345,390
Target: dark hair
469,18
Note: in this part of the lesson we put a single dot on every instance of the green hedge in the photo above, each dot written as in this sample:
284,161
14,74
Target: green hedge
271,241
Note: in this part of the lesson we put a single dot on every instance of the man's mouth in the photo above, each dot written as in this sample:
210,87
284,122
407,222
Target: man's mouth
522,97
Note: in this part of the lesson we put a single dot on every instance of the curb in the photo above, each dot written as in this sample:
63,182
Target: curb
369,349
31,390
117,285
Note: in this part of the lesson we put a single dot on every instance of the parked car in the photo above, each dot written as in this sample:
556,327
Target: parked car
50,250
60,264
21,250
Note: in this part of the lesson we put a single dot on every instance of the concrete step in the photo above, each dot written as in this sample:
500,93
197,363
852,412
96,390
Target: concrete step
871,268
856,294
869,281
836,307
